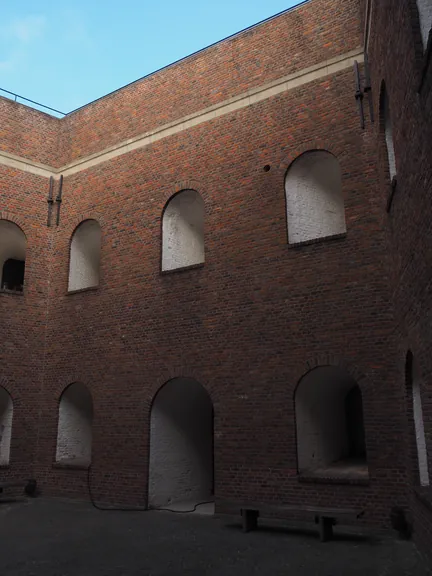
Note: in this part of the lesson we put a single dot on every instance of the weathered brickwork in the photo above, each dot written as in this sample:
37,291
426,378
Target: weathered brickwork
259,313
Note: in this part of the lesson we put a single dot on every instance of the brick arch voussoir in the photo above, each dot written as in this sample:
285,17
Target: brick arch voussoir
66,381
4,383
337,150
73,224
5,215
179,185
321,360
171,374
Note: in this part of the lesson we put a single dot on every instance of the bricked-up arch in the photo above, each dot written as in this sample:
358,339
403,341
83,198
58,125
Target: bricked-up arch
330,427
183,231
425,15
181,444
6,415
314,200
85,252
74,436
413,386
13,245
387,130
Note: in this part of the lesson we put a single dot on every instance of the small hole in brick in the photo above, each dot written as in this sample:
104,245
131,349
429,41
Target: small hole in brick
266,167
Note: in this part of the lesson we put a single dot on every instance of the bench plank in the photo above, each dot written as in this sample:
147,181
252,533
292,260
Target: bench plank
326,517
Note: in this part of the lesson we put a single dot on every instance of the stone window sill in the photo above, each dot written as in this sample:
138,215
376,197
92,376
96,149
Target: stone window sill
183,268
72,464
81,290
343,472
350,481
317,240
12,292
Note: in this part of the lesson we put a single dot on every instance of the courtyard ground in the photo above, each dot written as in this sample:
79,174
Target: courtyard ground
48,537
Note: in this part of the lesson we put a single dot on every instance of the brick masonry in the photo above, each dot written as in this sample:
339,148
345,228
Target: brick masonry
260,313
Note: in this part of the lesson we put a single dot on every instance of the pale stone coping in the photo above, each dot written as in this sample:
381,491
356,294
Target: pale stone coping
25,165
248,98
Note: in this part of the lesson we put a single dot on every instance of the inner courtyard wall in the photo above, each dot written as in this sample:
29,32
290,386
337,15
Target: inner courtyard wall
399,59
249,323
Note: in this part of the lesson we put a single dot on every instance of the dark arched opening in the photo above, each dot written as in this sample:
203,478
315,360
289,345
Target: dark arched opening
330,427
181,445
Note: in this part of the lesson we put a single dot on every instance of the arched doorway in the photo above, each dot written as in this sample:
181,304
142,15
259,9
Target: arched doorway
181,445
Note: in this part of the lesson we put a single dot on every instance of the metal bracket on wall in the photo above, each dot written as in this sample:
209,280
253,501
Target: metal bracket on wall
59,199
368,88
359,94
50,200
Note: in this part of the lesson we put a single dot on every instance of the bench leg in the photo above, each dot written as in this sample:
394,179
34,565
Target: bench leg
249,520
325,528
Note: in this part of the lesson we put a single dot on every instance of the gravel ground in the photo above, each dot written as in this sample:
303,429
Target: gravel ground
48,537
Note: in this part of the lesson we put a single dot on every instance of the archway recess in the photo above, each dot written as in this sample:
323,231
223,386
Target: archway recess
330,428
181,444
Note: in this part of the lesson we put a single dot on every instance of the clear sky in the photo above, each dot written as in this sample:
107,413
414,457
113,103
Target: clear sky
66,53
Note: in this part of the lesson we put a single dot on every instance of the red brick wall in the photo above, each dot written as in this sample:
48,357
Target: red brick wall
308,35
28,133
244,325
247,323
23,317
396,57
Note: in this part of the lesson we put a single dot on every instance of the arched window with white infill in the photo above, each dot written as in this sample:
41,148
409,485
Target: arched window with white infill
387,129
413,385
74,435
85,253
6,414
13,245
183,231
314,200
425,16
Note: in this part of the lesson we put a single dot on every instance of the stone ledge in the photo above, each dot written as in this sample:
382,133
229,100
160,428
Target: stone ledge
317,240
183,268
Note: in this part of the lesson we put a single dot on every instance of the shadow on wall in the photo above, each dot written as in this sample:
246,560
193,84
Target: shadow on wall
181,444
183,231
85,253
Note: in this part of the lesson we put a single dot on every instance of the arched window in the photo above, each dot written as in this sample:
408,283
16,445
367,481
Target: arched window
13,246
85,256
330,427
183,231
425,15
314,201
414,398
74,436
6,414
181,444
387,127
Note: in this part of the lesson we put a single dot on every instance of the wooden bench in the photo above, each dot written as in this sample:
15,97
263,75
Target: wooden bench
29,486
325,517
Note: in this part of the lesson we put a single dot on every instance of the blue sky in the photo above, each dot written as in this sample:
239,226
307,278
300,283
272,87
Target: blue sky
65,54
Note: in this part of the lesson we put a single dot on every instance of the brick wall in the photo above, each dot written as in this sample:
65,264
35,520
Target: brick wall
397,57
256,317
